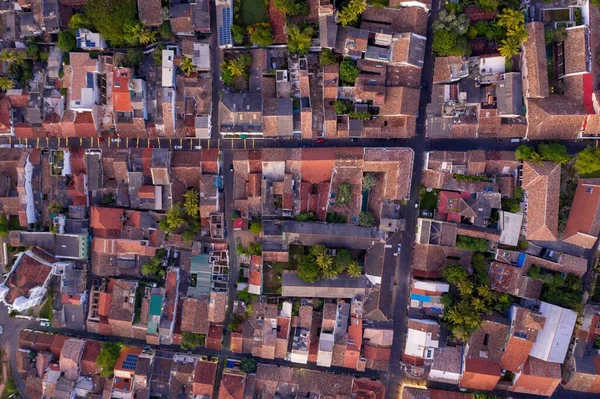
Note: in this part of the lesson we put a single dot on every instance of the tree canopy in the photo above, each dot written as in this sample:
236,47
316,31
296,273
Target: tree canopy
348,71
366,219
328,58
255,227
524,152
299,40
354,269
369,181
191,341
349,14
107,358
588,161
191,203
110,18
344,195
261,34
292,7
554,152
248,365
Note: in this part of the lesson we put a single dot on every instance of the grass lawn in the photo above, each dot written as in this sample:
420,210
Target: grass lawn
379,3
46,310
429,201
10,387
254,11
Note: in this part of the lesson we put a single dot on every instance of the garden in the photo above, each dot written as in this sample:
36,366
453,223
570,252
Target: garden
558,289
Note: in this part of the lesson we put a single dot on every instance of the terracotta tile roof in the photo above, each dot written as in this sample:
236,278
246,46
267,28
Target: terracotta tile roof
70,356
556,117
377,357
583,227
541,181
149,12
106,222
195,315
475,13
29,273
81,64
511,280
365,388
400,101
576,50
204,378
89,366
232,386
538,378
535,74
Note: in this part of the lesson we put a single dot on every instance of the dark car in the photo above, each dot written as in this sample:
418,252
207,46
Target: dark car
320,140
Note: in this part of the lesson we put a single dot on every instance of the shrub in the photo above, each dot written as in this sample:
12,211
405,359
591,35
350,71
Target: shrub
191,341
255,227
366,219
107,358
344,195
348,71
472,244
248,365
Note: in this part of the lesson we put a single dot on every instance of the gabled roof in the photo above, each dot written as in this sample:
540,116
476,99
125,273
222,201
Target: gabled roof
232,386
542,183
583,227
536,66
150,12
106,222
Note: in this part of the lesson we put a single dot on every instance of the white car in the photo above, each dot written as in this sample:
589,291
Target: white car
197,147
19,146
45,323
115,140
1,329
178,147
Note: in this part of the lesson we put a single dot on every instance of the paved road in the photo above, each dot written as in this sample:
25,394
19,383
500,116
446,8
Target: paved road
418,143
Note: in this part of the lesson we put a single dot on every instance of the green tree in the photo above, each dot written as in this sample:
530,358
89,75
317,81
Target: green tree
165,30
329,272
350,13
341,107
66,40
248,365
107,199
344,195
588,160
9,56
55,207
153,268
447,299
511,19
174,217
238,33
6,83
255,227
369,181
454,273
141,34
348,71
191,341
472,243
134,57
354,269
324,261
509,47
308,270
226,75
524,152
78,21
447,43
107,358
190,233
292,7
472,32
299,41
451,22
328,58
110,18
519,33
317,250
191,202
366,219
362,115
489,5
187,66
4,226
554,152
342,259
261,34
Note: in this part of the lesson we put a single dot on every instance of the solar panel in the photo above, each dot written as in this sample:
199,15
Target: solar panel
130,362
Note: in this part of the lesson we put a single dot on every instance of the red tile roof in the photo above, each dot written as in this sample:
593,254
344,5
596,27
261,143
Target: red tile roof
232,386
541,181
106,222
583,227
204,378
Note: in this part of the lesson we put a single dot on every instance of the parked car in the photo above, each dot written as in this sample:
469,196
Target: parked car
45,323
197,147
231,168
320,140
115,140
178,147
426,213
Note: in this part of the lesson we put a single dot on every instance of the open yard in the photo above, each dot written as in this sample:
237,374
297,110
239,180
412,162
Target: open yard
46,310
429,201
254,11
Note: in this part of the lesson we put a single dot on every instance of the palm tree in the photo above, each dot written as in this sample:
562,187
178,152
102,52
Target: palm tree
519,33
536,158
187,66
6,83
175,217
354,269
511,19
8,56
329,272
191,202
509,47
55,207
236,67
325,262
318,250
